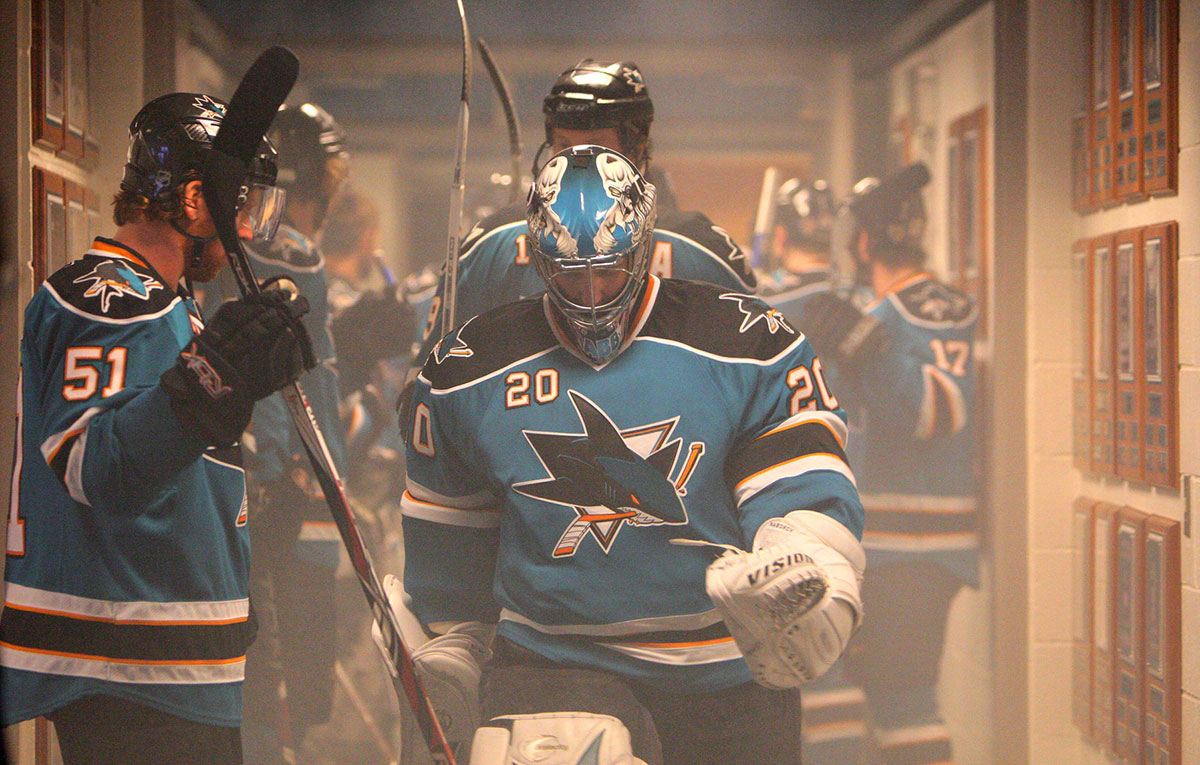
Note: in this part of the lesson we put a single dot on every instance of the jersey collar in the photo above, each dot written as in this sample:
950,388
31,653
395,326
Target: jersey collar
640,316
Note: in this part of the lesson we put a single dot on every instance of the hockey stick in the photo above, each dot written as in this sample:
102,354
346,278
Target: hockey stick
253,106
510,116
764,218
458,188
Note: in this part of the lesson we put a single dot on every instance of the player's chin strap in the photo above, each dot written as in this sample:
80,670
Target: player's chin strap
198,243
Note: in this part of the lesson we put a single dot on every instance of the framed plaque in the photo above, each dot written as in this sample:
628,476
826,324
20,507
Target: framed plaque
1162,654
49,224
48,73
1127,175
1081,365
76,78
1104,523
1126,278
1129,633
1160,436
1103,377
1082,580
1158,81
1100,54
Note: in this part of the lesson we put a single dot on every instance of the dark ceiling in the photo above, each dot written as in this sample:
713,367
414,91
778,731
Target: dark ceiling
834,21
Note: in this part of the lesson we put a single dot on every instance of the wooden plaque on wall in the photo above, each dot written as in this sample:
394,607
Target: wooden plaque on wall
1104,526
1128,632
1162,674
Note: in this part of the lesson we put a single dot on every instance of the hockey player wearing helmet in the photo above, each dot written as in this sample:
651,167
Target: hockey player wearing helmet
800,264
907,364
127,616
567,477
606,104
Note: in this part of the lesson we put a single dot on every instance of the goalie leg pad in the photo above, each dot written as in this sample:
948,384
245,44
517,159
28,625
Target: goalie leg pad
553,738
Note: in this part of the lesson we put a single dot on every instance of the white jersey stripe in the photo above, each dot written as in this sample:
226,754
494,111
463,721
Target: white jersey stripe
829,419
101,668
73,477
479,518
917,543
680,622
924,503
127,612
752,485
474,501
708,652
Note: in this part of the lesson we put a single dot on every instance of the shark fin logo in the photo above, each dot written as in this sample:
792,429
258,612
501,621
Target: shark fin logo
453,345
111,279
611,478
754,310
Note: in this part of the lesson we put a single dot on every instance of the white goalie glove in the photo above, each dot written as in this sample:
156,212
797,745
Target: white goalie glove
449,666
792,604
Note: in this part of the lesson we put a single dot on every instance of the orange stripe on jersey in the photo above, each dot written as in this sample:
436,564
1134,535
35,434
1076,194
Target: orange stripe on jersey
70,434
787,462
690,644
123,252
132,622
138,662
822,423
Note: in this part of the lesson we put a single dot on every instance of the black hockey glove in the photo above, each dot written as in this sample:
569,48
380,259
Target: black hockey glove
840,332
252,347
373,328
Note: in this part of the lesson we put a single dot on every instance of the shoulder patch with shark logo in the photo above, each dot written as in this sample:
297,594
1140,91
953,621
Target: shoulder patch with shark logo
111,288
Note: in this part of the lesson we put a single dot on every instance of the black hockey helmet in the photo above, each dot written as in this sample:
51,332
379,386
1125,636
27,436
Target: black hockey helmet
169,140
594,94
806,213
312,150
893,215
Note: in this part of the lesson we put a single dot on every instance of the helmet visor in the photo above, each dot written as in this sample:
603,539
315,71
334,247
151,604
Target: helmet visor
260,209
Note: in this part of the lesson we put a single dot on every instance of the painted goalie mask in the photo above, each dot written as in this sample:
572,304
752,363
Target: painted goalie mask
591,228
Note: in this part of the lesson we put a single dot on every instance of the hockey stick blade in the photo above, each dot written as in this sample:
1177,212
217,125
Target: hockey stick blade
224,173
258,97
510,116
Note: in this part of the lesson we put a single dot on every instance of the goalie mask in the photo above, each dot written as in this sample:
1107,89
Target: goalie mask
591,226
169,141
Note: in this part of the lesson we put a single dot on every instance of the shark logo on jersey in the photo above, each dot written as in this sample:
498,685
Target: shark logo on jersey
610,477
110,279
453,345
753,310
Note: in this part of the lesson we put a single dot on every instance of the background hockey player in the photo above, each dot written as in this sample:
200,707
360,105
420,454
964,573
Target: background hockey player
908,364
799,264
126,619
561,446
295,542
606,104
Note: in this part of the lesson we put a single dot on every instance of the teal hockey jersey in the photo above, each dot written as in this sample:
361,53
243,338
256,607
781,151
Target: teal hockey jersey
496,267
277,448
546,492
919,443
128,555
